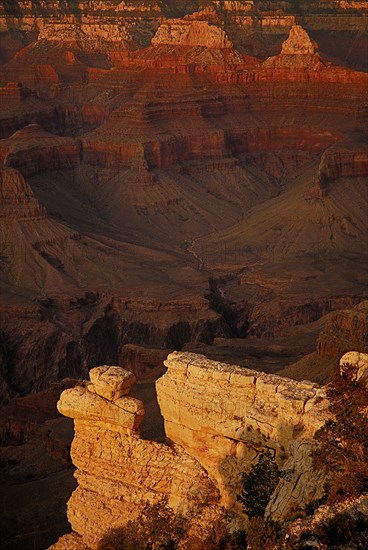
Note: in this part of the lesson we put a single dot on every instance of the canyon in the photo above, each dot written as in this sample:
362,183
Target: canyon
155,157
177,176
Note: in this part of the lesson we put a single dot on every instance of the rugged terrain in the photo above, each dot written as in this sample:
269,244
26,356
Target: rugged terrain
211,440
218,419
181,174
175,172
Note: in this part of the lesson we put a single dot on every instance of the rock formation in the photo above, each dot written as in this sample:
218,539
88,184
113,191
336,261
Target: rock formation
191,33
224,415
296,52
298,43
218,419
345,330
255,25
17,198
32,150
127,471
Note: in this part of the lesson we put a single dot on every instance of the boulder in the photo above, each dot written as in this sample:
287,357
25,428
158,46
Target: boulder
112,382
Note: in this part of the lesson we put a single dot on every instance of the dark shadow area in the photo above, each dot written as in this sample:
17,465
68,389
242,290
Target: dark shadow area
71,6
36,472
33,513
178,9
12,8
152,427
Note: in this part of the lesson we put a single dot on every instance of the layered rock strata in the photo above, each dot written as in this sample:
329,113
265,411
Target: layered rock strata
252,25
345,330
17,199
225,415
33,150
117,472
196,33
218,419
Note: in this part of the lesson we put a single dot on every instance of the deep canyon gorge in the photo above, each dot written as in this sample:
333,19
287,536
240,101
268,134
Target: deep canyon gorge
184,175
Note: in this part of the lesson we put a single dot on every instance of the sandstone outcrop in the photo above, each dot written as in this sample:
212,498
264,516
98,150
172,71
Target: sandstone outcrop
297,53
218,419
127,471
191,33
17,200
111,382
345,330
225,415
299,60
298,43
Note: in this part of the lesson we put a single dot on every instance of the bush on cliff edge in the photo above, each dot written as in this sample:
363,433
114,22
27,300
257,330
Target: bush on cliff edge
157,527
343,440
259,484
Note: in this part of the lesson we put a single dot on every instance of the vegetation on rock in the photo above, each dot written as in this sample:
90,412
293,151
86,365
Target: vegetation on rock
259,484
343,440
157,527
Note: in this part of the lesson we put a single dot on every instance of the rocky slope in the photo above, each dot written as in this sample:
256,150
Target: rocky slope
134,125
341,331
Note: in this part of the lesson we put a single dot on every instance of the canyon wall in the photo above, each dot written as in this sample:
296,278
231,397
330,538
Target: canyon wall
255,27
218,419
345,330
127,127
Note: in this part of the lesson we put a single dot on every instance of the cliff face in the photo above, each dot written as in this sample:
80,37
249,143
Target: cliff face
117,471
254,26
17,198
345,330
218,419
225,415
32,150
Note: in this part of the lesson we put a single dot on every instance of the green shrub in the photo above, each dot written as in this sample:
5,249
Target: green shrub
343,440
259,484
